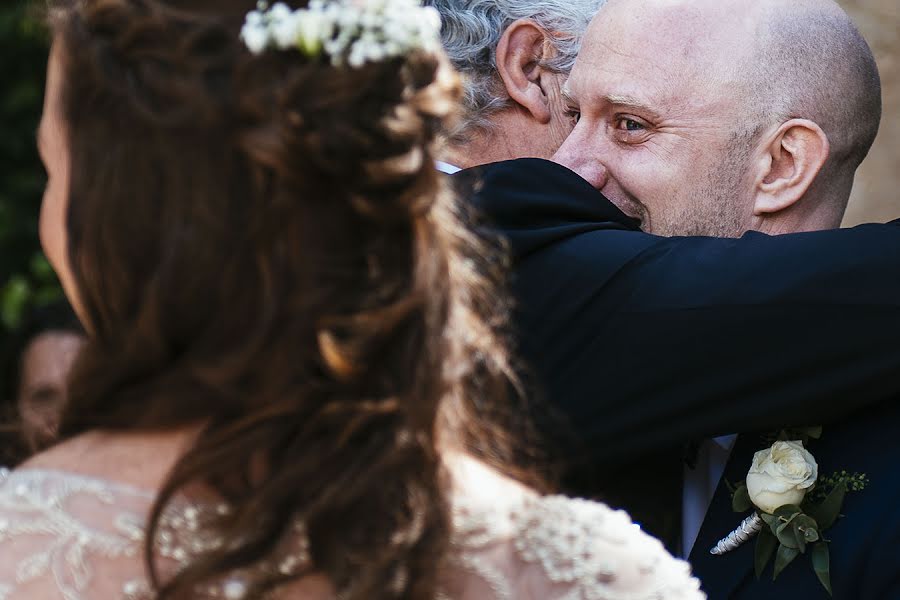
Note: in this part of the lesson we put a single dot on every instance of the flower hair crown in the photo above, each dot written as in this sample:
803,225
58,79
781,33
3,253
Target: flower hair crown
351,32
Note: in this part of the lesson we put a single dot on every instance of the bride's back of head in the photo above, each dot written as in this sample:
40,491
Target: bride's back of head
260,244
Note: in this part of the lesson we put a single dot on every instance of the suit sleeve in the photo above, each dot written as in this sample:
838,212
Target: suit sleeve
646,342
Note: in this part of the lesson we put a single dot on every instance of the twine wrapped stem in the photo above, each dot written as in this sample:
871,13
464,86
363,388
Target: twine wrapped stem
744,532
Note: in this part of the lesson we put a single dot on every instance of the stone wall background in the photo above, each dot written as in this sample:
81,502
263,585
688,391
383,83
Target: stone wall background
876,194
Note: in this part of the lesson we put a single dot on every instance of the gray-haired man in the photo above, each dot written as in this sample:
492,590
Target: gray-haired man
515,55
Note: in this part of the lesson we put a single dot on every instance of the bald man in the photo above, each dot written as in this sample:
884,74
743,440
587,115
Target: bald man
718,117
715,117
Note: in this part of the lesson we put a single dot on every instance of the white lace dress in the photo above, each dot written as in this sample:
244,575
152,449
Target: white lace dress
69,537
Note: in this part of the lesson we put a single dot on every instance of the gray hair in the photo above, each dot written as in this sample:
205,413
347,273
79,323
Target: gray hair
472,29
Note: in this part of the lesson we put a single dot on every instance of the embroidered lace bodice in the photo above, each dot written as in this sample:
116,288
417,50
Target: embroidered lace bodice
68,537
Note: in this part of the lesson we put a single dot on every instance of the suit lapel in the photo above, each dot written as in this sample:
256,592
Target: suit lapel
722,575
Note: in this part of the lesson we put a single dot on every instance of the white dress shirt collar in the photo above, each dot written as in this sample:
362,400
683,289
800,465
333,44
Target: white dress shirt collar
446,167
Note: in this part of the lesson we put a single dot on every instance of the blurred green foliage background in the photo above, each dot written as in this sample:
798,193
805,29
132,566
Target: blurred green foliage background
26,279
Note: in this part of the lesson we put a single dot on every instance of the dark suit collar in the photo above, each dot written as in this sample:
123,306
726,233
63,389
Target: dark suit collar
722,575
530,194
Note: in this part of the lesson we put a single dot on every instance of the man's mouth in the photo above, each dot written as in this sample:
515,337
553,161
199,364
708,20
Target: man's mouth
632,209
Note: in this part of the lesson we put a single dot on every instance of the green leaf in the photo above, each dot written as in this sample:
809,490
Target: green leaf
805,531
765,547
821,562
13,300
783,557
740,502
770,520
826,512
810,534
41,269
788,512
808,526
787,537
783,529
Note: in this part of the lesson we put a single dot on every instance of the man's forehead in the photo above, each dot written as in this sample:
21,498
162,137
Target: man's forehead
625,80
686,16
644,40
653,55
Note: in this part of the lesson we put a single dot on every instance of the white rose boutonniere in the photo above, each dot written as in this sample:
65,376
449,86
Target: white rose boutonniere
791,505
781,475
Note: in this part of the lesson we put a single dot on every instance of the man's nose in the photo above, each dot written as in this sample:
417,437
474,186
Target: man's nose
579,157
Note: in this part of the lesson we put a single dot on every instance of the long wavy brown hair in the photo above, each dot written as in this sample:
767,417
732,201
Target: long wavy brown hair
261,245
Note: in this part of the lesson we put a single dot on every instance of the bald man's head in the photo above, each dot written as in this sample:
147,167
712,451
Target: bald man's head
713,117
811,62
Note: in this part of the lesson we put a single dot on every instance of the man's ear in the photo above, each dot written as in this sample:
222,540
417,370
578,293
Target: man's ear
519,55
793,157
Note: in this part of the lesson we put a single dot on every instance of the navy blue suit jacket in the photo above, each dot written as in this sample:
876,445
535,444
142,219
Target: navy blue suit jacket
644,343
864,544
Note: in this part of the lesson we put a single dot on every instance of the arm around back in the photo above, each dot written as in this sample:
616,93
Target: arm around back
644,342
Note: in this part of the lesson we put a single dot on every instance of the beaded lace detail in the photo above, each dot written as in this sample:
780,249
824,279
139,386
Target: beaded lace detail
576,549
76,538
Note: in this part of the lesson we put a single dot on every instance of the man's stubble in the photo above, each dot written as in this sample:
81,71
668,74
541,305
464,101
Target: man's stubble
719,208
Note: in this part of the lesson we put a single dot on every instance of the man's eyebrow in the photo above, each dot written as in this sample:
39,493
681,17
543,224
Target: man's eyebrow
625,100
613,99
630,102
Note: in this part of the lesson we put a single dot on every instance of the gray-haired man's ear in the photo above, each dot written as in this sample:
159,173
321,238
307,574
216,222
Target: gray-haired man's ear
520,54
793,157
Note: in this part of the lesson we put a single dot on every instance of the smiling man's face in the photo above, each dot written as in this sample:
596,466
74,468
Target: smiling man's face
660,124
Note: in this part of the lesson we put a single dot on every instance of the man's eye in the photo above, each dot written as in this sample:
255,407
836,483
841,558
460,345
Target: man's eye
630,125
573,114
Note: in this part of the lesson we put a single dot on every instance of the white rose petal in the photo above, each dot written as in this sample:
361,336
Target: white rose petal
781,475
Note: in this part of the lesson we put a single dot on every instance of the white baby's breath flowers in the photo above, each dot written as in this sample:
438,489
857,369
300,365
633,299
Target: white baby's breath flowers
283,25
347,32
255,32
781,475
312,29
